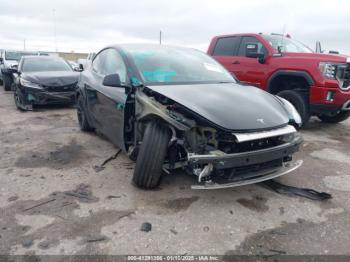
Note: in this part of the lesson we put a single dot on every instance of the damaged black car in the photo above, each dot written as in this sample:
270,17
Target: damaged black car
43,80
171,108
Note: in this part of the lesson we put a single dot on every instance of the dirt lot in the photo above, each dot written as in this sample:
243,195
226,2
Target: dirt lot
56,199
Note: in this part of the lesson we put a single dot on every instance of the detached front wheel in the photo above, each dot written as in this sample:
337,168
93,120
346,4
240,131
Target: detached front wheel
151,156
335,118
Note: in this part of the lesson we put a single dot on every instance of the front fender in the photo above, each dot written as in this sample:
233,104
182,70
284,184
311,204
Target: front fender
146,108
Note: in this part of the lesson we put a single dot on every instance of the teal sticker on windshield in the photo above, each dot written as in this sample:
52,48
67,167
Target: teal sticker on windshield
158,75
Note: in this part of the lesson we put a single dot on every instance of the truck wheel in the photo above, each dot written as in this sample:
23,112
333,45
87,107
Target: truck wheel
151,157
1,82
299,101
335,118
7,82
82,119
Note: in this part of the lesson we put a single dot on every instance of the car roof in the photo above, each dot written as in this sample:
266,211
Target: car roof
149,46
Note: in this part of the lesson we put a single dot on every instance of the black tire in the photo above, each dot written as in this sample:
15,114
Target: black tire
300,101
7,82
151,156
335,118
82,119
18,99
1,82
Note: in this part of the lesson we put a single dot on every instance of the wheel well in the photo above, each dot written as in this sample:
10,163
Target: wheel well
288,82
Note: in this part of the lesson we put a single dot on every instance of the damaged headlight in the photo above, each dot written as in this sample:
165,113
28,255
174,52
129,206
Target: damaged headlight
293,113
27,83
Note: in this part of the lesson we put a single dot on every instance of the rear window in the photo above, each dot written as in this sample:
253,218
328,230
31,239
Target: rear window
226,46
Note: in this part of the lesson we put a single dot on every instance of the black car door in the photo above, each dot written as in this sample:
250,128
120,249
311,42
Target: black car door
107,103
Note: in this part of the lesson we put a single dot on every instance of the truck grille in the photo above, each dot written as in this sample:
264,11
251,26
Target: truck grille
347,77
343,76
66,88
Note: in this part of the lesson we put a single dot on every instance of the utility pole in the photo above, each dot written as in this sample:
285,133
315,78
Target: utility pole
24,44
160,37
54,28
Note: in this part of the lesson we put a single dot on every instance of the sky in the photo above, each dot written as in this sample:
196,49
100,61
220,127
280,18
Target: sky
89,25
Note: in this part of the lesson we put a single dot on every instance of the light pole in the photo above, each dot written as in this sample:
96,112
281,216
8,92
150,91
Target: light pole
54,28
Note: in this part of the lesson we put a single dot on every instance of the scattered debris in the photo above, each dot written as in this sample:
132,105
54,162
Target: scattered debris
82,192
95,239
12,198
40,204
111,197
111,158
146,227
290,190
102,166
44,244
98,168
173,231
281,252
27,243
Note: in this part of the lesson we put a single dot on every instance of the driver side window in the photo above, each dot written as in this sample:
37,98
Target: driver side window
108,62
250,40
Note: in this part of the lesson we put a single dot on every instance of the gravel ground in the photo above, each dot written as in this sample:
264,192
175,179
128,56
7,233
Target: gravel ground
56,199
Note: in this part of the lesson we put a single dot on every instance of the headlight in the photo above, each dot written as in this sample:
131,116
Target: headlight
27,83
293,113
328,70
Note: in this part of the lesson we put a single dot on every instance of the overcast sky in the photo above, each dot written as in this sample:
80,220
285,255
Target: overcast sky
89,25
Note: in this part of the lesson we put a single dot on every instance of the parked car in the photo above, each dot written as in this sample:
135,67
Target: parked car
316,84
43,80
74,65
9,58
171,108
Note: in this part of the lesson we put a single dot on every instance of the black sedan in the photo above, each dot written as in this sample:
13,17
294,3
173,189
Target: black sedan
170,108
43,80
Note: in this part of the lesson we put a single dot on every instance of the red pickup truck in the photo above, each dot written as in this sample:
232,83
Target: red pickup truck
316,84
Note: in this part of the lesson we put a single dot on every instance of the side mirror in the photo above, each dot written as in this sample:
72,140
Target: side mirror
112,80
81,67
14,68
77,69
251,51
1,60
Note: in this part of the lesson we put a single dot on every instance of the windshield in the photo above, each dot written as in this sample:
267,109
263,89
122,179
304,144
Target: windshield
12,55
284,44
161,66
45,64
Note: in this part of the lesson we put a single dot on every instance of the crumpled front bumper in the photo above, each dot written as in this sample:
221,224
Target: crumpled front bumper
257,178
251,158
44,97
248,158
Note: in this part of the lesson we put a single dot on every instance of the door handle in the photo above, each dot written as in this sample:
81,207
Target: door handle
236,63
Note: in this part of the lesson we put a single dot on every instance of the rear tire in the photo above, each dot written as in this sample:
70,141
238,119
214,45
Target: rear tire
82,119
299,101
18,100
151,157
337,118
7,82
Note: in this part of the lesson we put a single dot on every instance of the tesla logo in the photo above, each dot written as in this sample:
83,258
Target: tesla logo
261,120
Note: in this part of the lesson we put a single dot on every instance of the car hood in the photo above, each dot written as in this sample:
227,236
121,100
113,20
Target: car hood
54,78
9,63
336,58
229,105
